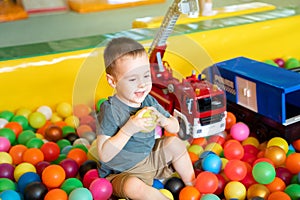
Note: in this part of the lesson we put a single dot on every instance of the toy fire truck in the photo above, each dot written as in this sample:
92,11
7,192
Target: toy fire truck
199,106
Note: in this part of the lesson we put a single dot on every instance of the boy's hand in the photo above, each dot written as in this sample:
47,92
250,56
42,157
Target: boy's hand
161,119
143,121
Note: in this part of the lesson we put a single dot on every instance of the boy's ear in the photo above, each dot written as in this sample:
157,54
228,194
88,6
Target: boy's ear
111,80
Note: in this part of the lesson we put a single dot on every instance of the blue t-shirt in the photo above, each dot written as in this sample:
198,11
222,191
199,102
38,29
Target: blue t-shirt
112,116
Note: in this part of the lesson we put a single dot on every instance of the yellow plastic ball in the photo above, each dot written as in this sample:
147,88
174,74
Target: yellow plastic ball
280,142
214,147
36,119
224,162
56,118
23,168
23,112
251,140
72,121
167,193
5,158
64,109
235,190
194,148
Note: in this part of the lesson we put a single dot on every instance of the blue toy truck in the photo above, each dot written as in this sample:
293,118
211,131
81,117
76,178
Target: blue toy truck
265,97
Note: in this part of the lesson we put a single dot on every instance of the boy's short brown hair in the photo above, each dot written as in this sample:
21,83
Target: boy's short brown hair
119,47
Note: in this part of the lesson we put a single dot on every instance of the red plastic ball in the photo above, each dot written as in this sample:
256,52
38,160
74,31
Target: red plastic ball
78,155
235,170
233,149
206,182
16,152
89,177
51,151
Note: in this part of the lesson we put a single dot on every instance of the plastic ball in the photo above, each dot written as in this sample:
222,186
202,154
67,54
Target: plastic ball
280,62
16,152
24,112
10,195
64,109
157,184
276,154
292,63
70,184
36,119
206,182
57,194
40,166
34,143
22,169
87,166
189,193
72,121
27,178
53,176
56,118
23,121
89,177
263,172
230,120
5,158
15,127
279,195
251,141
81,110
33,156
101,188
50,150
233,150
292,163
70,166
212,163
3,122
280,142
25,136
285,174
277,185
239,131
221,184
167,193
174,185
235,190
7,171
9,134
89,136
6,184
46,111
78,155
210,197
4,144
82,129
53,133
6,114
81,194
214,147
235,170
35,191
293,190
258,190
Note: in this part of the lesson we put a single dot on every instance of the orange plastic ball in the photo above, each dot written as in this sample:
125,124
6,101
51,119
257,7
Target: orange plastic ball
230,120
57,194
81,110
53,176
33,156
189,193
83,129
292,163
206,182
296,144
199,141
276,155
193,157
78,155
61,124
277,185
42,129
279,195
16,152
15,127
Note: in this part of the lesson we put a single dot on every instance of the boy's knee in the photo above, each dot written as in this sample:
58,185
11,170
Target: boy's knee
133,186
174,145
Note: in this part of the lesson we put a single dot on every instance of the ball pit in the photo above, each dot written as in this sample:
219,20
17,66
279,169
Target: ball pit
42,158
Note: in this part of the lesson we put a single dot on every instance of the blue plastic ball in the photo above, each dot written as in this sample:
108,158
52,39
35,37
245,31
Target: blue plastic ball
27,178
157,184
212,163
10,195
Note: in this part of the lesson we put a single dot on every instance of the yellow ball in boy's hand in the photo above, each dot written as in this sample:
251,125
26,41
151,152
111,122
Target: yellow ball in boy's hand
148,114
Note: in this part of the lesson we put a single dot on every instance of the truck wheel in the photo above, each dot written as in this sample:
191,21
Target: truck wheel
182,134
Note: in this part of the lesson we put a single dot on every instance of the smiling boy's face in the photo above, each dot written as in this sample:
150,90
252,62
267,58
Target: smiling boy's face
132,79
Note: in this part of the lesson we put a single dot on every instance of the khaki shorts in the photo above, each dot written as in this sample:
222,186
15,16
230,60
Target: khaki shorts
154,166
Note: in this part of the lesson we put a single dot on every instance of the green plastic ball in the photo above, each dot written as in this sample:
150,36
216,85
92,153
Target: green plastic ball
293,190
292,63
70,184
263,172
34,143
21,120
6,184
9,134
36,119
6,115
